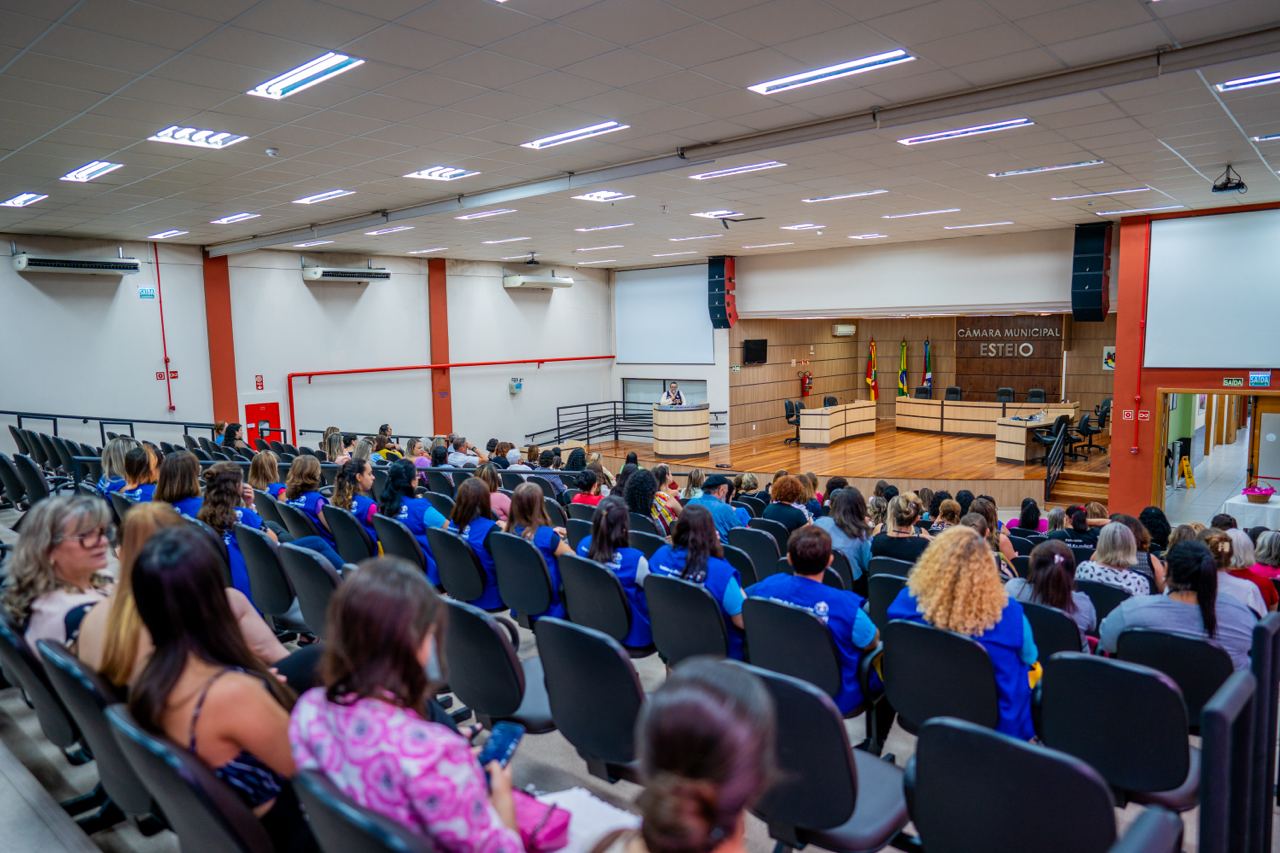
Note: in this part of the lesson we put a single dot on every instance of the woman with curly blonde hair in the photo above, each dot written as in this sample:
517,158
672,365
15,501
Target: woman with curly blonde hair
955,586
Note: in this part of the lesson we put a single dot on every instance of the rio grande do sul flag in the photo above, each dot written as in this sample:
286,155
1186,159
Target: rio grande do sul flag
872,383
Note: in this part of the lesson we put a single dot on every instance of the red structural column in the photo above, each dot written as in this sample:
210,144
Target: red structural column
222,350
438,313
1131,441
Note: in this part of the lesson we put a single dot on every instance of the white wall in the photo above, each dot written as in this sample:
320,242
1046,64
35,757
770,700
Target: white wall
715,375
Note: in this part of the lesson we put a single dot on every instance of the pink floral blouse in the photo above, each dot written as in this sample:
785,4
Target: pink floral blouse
401,766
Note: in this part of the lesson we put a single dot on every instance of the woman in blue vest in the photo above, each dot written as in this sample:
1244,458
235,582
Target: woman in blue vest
473,520
353,491
302,492
139,474
528,520
695,555
179,483
264,474
113,455
399,500
607,544
222,509
955,586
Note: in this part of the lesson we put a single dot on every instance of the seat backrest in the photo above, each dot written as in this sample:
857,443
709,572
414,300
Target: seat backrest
842,568
1035,395
548,490
923,392
35,448
776,529
350,537
21,668
379,481
1086,709
484,670
120,505
577,529
1004,394
460,476
760,545
1226,728
686,619
314,581
440,482
1264,661
954,392
789,408
829,401
1021,546
791,640
510,479
930,672
204,812
33,481
460,572
555,512
397,541
882,589
742,563
1053,630
888,566
1104,596
268,585
343,826
267,507
584,512
1197,666
958,768
14,490
1081,554
593,596
523,580
644,524
646,543
19,439
442,503
297,521
1022,565
581,665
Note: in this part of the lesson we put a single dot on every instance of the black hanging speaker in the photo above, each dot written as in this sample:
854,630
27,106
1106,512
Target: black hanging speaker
721,302
1091,273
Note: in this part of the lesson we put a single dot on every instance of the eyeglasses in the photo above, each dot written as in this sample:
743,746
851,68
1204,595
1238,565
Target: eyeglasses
92,538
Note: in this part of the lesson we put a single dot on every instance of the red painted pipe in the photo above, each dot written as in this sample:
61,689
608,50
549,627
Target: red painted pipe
164,342
293,422
1142,333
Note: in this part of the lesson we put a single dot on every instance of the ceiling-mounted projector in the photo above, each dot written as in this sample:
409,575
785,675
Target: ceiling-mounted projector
1230,182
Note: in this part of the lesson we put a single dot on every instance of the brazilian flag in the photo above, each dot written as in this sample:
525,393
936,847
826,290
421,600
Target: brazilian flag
902,370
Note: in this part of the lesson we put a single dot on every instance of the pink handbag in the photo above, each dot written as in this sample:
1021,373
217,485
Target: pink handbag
543,827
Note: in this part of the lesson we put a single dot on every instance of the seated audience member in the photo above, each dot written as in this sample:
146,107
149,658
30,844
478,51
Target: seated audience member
55,574
1052,583
595,462
529,521
788,504
264,474
473,519
695,555
113,455
219,427
1147,563
877,513
416,452
382,449
1243,557
901,539
1244,591
178,483
1157,524
1267,555
353,491
668,491
998,539
113,640
890,492
948,515
499,501
854,634
386,624
140,465
631,459
577,460
364,450
348,448
878,490
1029,519
499,455
222,509
1192,604
607,544
1078,533
926,500
704,740
1222,521
744,515
302,492
1189,532
546,469
439,456
1056,521
515,460
641,494
231,438
935,505
203,687
1097,514
964,497
331,446
715,490
1113,561
399,500
955,586
392,451
846,524
588,489
694,481
812,497
834,484
751,488
464,454
620,484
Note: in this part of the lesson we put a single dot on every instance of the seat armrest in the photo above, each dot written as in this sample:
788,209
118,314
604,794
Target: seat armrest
1155,831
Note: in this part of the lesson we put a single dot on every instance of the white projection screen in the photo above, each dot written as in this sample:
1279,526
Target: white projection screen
1214,291
660,316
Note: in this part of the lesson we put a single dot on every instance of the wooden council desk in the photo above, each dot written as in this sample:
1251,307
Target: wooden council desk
1014,442
820,427
682,430
970,417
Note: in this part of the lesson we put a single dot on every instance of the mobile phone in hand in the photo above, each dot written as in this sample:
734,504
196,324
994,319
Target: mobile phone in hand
501,744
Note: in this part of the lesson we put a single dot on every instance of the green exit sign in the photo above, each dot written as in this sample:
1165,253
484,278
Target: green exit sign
1233,382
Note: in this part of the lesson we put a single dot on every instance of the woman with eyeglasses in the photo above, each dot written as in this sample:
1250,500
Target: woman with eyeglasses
54,577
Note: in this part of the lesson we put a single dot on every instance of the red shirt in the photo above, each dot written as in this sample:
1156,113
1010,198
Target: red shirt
589,500
1265,586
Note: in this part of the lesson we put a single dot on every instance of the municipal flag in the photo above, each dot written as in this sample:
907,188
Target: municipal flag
928,367
872,383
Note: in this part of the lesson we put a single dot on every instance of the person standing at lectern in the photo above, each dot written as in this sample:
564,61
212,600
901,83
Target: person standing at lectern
673,396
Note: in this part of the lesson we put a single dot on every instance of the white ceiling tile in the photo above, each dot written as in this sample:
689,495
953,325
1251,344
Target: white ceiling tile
626,22
143,22
319,24
17,30
923,24
387,10
621,67
432,89
489,68
406,47
784,20
107,50
749,68
476,23
553,46
556,87
679,87
1083,19
707,42
1123,41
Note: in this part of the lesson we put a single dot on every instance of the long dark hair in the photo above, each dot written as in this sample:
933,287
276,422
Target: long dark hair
849,512
695,531
1193,569
1157,524
346,486
402,480
610,529
632,459
179,591
439,456
1053,574
528,510
639,491
471,502
1079,522
577,460
222,496
179,477
1029,518
378,619
624,474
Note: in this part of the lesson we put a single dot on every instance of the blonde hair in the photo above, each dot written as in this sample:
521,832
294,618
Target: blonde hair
606,477
956,583
877,508
693,486
904,509
31,572
1116,546
113,456
1093,509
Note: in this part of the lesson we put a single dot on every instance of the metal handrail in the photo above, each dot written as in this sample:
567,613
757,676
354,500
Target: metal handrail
615,418
130,423
1055,461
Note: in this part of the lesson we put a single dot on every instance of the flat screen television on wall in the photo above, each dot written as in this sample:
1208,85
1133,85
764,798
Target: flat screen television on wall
755,351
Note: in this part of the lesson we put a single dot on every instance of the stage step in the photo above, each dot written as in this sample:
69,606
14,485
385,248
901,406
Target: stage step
1081,487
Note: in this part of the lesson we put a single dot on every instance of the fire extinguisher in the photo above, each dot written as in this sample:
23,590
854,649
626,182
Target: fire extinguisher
806,382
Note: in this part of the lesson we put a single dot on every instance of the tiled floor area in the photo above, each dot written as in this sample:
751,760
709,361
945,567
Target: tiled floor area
1219,476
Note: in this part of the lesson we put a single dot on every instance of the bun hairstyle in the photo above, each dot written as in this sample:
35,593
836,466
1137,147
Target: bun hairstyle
706,753
1219,545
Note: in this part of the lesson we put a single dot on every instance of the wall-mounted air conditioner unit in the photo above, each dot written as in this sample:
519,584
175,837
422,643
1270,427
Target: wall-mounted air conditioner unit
81,266
344,274
843,330
539,281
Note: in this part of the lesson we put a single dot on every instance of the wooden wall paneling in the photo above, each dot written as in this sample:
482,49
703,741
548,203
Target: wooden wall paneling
1087,382
1019,352
889,334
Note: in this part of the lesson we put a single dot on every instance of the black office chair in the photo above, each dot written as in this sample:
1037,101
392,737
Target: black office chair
486,673
1086,430
1004,394
829,401
1047,437
398,541
1197,666
1227,739
594,597
14,491
576,530
523,580
314,581
1104,596
923,392
646,543
791,410
761,546
1035,395
777,530
953,393
882,589
341,825
686,619
1103,411
1052,630
461,574
349,535
929,672
889,566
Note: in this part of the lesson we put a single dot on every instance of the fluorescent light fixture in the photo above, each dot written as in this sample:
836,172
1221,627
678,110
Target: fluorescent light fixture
1249,82
1267,137
737,170
196,137
432,249
305,76
920,213
962,132
717,214
1035,170
234,218
485,214
1097,194
23,200
867,236
673,254
604,227
1139,210
604,261
603,195
310,243
575,135
394,229
699,237
833,72
514,257
975,225
767,245
803,226
324,196
90,171
599,248
165,235
441,173
500,242
842,196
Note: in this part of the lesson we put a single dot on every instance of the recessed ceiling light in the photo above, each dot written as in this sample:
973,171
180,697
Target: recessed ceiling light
842,196
599,248
962,132
1249,82
737,170
1139,210
802,226
833,72
394,229
867,236
310,243
1097,194
699,237
672,254
165,235
975,225
575,135
500,242
441,173
1035,170
485,214
196,137
90,171
717,214
429,251
324,196
920,213
305,76
1267,137
767,245
234,218
23,200
603,195
605,227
